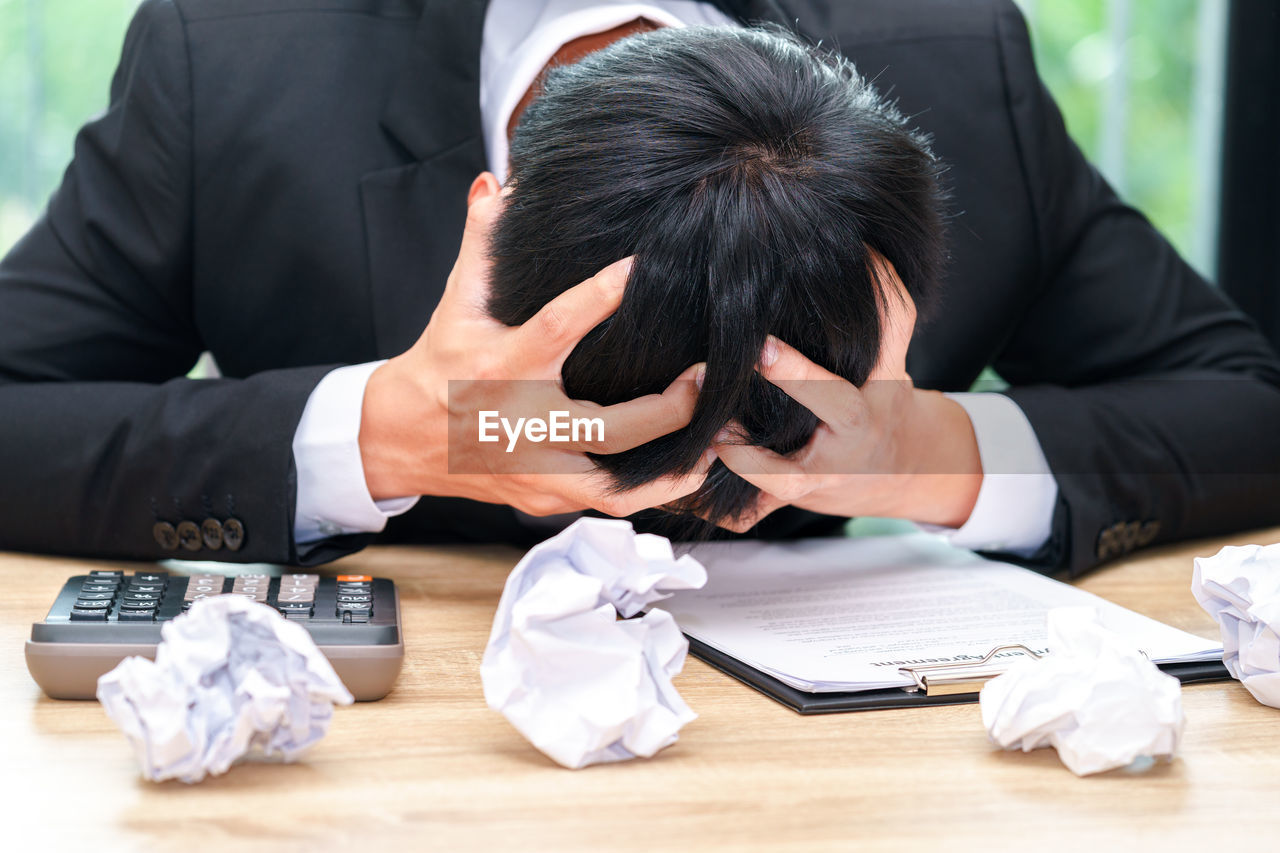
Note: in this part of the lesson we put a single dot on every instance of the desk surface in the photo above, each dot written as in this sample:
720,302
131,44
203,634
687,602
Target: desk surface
430,767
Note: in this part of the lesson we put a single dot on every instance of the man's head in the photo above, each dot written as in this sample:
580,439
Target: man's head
755,179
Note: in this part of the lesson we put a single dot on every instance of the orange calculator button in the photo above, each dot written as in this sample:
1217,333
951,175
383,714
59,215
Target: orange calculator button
354,578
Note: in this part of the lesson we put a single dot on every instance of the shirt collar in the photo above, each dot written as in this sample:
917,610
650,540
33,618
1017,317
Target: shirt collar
521,36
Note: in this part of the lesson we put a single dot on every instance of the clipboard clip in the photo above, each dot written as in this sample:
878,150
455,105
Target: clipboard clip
966,676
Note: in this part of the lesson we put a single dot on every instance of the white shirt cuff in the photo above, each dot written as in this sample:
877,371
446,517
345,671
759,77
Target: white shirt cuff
1014,510
333,498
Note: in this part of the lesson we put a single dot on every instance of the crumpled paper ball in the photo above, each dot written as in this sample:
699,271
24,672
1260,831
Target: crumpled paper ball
1095,698
230,675
583,686
1240,588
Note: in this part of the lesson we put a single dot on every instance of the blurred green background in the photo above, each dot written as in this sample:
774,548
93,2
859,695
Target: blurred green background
1140,83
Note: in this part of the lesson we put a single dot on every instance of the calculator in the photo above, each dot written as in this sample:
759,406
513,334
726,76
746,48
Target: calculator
103,617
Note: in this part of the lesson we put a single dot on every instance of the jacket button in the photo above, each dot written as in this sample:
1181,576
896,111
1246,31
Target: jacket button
1107,546
233,534
211,531
189,535
1147,535
165,534
1129,533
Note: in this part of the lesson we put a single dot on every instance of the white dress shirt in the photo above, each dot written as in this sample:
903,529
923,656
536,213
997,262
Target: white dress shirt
1014,510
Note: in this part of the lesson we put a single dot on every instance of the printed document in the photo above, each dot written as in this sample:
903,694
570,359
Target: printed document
838,615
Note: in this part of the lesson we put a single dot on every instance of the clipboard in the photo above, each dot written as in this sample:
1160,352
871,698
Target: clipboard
936,684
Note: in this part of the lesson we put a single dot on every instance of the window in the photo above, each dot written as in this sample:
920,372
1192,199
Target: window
1140,83
56,60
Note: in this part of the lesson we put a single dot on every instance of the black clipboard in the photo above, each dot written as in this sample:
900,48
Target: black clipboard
804,702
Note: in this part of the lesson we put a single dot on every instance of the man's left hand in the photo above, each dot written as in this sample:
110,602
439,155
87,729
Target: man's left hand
886,449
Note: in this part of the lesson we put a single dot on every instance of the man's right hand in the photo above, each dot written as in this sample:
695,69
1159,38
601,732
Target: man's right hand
409,411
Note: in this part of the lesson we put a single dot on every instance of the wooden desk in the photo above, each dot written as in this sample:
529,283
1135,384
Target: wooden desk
430,767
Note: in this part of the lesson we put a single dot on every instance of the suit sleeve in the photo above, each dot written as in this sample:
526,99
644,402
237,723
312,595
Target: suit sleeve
101,437
1155,400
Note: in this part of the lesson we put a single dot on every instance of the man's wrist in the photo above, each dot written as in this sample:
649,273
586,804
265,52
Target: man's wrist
332,496
1014,511
402,447
945,467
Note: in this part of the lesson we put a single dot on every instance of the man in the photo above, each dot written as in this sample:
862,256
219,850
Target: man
282,184
786,198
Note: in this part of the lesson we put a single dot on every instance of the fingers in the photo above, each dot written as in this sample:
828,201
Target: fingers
550,335
781,481
837,402
765,504
635,422
783,478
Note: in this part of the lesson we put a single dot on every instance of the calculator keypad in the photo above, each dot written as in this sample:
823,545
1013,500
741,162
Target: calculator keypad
296,598
96,597
106,596
142,596
201,586
252,586
355,598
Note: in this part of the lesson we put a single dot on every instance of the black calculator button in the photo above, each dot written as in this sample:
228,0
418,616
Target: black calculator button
189,536
106,573
166,535
93,604
139,600
355,599
99,586
78,615
211,532
233,534
131,615
146,588
150,577
96,596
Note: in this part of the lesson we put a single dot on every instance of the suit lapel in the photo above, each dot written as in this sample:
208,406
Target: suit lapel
414,213
413,224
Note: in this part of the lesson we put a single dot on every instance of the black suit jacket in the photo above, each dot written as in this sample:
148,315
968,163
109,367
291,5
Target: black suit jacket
283,183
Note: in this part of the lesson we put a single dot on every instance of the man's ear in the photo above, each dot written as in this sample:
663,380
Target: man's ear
897,320
483,186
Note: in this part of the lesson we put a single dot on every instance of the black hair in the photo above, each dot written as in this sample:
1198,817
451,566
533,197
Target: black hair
751,175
